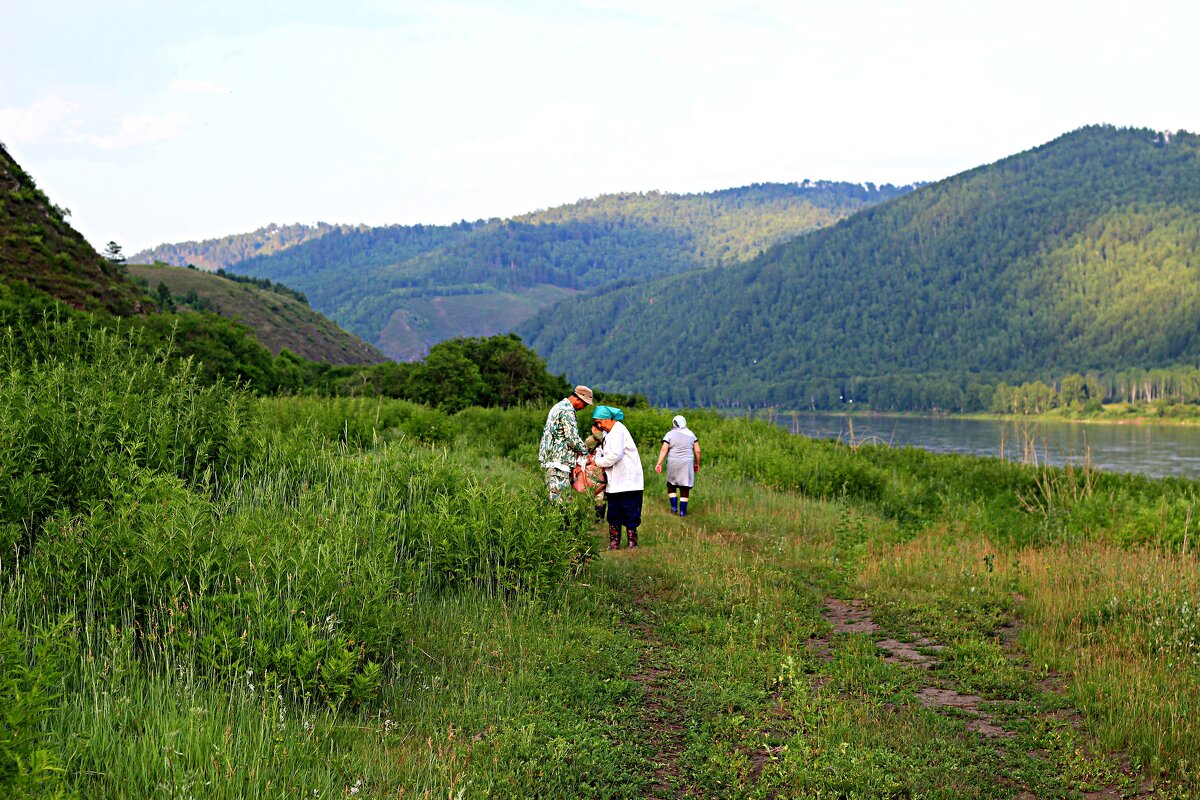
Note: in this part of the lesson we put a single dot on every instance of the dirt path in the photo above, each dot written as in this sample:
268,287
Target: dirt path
660,713
854,617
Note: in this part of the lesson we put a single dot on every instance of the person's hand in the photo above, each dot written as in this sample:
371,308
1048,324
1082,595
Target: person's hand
658,467
695,467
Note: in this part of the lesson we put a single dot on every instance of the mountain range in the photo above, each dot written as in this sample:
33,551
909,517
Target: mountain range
404,288
1081,255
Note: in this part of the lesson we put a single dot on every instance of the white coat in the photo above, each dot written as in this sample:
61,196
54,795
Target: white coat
619,457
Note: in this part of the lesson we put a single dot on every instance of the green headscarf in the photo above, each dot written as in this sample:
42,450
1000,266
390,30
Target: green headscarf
608,412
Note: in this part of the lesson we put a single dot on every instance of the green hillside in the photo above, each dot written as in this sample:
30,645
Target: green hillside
278,319
428,319
42,256
56,292
407,287
1079,255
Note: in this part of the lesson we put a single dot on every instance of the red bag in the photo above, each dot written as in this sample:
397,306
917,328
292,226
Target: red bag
580,480
588,478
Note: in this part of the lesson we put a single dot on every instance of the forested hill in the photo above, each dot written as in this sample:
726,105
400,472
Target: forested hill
56,292
1079,255
405,288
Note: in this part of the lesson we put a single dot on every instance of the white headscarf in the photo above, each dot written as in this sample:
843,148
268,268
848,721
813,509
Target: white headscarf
678,421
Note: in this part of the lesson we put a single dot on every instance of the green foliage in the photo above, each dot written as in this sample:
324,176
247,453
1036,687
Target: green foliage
82,409
222,349
1079,256
178,536
32,666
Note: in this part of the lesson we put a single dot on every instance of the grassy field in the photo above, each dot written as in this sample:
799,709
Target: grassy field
208,595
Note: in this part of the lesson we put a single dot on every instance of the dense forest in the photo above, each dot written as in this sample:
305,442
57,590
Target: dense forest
1079,256
406,287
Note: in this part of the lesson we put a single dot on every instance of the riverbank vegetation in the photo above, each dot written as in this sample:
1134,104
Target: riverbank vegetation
204,593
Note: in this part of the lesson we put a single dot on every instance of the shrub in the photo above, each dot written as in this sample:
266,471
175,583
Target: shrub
82,410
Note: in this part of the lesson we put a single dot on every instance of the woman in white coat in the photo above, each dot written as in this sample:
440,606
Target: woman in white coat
622,465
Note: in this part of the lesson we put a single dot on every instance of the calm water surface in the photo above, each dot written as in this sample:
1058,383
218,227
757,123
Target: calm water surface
1155,450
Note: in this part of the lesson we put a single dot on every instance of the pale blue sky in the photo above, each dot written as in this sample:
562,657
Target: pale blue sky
167,120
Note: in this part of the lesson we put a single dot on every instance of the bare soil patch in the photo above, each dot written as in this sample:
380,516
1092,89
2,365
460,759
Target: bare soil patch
660,716
854,616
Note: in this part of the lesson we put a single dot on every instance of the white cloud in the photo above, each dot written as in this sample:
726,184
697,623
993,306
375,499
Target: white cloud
40,121
137,131
199,87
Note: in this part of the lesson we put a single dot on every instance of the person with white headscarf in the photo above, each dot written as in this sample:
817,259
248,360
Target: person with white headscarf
681,449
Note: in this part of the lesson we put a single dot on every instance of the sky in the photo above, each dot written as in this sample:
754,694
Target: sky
167,121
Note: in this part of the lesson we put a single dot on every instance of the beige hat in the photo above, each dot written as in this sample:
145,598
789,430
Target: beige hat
583,393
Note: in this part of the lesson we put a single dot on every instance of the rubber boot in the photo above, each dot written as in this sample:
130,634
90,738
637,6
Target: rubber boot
614,537
632,538
674,503
682,507
600,511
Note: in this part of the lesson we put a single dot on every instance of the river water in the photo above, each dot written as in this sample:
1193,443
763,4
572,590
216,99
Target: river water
1155,450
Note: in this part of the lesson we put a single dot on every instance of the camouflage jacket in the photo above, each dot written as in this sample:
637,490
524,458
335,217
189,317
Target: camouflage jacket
561,444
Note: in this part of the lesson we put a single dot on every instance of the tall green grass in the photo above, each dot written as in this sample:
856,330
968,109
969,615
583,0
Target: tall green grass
184,568
204,594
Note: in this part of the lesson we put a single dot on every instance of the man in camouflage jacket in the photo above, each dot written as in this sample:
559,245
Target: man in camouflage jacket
561,444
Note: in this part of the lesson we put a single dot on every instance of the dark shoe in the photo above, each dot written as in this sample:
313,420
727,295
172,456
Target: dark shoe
614,538
632,538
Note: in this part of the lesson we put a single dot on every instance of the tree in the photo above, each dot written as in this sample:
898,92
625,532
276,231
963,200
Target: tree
112,252
448,380
164,298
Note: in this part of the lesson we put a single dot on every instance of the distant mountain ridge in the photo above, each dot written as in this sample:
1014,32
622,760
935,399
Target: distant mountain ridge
405,288
225,251
1082,254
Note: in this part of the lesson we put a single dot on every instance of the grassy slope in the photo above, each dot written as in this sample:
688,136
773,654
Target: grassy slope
278,321
38,248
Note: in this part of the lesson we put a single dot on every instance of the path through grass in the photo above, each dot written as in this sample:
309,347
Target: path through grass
769,646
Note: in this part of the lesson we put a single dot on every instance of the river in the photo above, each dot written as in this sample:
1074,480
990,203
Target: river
1155,450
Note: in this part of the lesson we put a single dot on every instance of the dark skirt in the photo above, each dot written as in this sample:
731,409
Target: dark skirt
625,508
